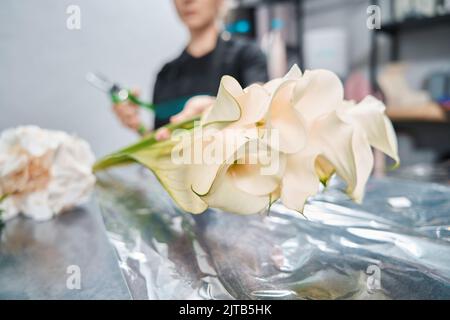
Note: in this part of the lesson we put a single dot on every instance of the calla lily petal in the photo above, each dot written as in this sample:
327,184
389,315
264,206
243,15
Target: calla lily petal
225,196
370,117
254,104
226,107
272,85
300,180
248,178
286,120
221,151
175,178
256,178
293,74
364,159
320,95
333,137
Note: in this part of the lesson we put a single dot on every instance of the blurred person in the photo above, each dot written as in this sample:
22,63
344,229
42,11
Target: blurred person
187,85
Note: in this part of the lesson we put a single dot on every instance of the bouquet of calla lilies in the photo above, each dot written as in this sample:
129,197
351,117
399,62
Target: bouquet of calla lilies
278,140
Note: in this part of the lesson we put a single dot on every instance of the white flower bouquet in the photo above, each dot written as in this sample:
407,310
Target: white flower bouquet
279,140
43,172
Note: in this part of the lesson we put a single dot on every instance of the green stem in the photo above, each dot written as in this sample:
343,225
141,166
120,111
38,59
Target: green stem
3,197
111,161
122,156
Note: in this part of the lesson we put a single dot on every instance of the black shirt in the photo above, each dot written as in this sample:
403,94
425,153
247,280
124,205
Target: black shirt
187,76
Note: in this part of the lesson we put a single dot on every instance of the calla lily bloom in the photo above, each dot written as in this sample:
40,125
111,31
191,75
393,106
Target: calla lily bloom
257,113
340,135
265,142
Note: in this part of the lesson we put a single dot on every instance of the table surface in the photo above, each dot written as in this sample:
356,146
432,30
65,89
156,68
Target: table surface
332,252
36,258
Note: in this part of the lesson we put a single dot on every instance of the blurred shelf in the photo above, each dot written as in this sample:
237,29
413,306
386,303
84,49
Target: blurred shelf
415,24
427,113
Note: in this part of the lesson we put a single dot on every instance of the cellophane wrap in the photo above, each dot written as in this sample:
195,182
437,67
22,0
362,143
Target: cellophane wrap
336,250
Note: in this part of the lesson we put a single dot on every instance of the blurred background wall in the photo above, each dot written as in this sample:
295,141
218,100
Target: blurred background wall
422,50
43,64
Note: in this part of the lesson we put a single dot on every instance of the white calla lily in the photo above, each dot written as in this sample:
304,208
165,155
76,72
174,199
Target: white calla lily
240,187
302,122
262,112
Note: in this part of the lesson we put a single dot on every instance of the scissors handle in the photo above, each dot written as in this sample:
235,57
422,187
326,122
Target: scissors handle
133,98
123,95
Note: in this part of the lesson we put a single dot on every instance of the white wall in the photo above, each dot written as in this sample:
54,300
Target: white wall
43,64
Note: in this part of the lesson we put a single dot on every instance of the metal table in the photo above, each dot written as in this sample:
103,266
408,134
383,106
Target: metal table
343,250
37,258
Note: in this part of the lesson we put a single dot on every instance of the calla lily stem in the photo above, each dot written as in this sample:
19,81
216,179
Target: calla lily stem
122,157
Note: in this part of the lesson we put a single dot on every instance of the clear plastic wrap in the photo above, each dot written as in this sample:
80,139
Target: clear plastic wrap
393,246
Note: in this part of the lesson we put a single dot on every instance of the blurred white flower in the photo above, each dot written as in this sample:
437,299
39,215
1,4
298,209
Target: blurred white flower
43,172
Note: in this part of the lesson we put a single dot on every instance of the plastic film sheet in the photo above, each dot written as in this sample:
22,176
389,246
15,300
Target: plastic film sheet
393,246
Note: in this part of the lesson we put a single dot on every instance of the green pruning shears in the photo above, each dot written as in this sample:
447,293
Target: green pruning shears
118,94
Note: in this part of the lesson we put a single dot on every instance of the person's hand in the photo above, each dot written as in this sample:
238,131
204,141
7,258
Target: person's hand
194,106
128,113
